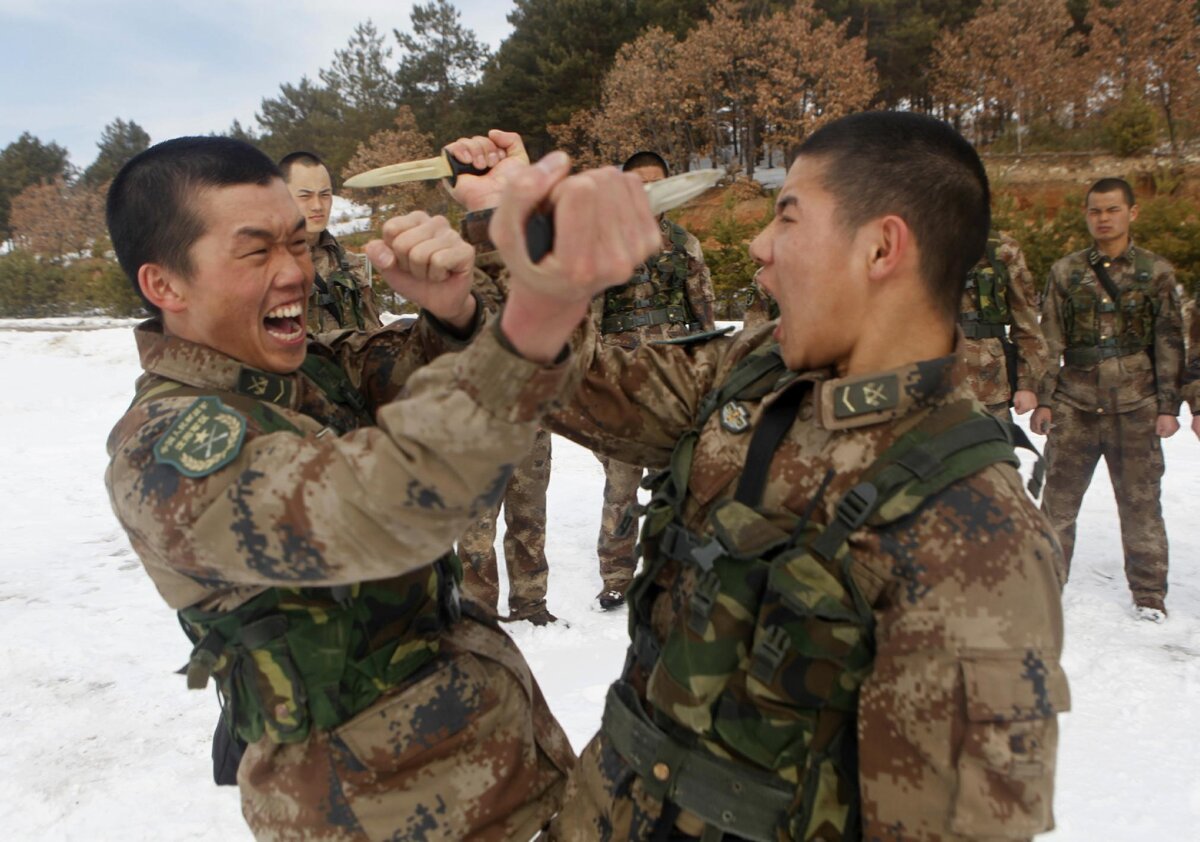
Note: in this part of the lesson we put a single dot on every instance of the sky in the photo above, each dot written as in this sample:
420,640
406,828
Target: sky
72,66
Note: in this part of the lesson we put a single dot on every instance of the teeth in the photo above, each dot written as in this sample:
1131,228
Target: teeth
284,311
287,335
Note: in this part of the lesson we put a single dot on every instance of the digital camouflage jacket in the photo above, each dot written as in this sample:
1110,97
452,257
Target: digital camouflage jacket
956,717
1124,381
347,300
280,488
986,364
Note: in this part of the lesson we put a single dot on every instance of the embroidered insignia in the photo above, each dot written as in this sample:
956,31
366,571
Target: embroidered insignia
207,436
863,396
264,386
735,418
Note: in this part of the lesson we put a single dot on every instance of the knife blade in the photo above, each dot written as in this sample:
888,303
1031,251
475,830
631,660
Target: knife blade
428,169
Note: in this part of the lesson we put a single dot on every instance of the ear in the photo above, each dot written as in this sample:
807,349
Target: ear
163,288
1133,213
890,246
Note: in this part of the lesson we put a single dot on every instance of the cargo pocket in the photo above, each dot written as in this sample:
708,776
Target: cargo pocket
1006,759
421,721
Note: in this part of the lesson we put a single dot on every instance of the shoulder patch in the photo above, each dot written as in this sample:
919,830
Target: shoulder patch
208,435
693,338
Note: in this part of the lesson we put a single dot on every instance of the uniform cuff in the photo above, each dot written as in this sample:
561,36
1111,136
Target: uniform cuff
452,338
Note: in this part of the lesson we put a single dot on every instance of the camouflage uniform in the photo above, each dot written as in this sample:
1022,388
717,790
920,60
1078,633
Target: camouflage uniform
959,627
1119,372
319,495
524,502
1191,375
341,296
760,308
614,547
985,356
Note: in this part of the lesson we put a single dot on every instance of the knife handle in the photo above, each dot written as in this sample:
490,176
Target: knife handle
458,168
539,236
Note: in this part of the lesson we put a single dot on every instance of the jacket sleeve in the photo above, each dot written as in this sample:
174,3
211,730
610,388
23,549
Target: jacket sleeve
699,285
1053,334
307,510
957,727
1168,340
633,405
1025,333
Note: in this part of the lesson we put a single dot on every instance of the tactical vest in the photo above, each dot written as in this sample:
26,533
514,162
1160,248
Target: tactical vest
628,307
340,289
293,659
988,287
777,636
1133,314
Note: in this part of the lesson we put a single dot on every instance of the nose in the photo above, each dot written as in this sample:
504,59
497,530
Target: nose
294,269
759,251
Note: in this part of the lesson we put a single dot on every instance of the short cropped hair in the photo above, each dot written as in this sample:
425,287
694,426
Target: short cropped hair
1108,185
920,169
151,212
300,156
646,158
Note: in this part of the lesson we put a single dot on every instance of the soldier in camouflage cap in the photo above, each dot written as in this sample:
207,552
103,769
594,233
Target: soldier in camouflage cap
341,295
294,501
848,624
1111,316
667,297
1003,345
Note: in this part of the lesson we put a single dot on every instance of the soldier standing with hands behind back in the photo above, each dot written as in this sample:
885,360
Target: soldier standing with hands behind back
1111,314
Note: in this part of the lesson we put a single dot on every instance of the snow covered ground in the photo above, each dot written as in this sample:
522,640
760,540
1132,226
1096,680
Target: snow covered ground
100,740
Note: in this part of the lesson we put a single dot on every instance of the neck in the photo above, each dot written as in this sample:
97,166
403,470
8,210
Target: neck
312,237
1114,248
903,329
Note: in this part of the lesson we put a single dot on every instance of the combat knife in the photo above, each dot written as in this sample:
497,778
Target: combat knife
430,169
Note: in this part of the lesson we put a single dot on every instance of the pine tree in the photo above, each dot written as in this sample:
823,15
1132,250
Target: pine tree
119,142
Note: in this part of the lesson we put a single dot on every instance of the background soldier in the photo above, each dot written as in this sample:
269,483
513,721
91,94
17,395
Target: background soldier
1004,349
296,510
1191,379
667,297
1111,313
342,295
524,501
759,308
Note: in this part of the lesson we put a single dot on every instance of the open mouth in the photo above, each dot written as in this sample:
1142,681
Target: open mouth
285,322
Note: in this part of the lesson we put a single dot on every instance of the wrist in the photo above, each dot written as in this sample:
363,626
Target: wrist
539,326
462,321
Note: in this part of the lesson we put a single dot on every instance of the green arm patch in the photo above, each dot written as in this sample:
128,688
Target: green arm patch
208,435
693,338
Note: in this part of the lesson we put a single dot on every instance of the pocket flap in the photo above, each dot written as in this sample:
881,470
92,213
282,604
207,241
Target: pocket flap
1014,688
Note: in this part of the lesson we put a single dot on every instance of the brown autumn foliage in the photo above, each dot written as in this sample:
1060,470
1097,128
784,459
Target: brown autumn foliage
58,219
393,146
738,81
1151,47
1014,59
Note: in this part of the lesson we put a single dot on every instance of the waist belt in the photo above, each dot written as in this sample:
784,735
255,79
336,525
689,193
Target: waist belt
972,328
1093,355
621,322
732,797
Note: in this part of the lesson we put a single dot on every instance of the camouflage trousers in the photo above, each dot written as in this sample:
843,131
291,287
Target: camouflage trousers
604,800
1001,410
617,552
1133,453
524,538
467,750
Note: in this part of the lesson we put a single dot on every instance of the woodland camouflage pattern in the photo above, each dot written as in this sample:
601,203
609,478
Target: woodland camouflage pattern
524,503
466,748
1109,408
1191,375
956,718
621,480
349,289
986,365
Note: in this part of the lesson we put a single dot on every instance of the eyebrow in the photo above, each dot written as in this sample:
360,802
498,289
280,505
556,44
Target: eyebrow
251,233
784,203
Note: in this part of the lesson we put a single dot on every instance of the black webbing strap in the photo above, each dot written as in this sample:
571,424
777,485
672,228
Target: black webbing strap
776,420
325,298
1097,264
